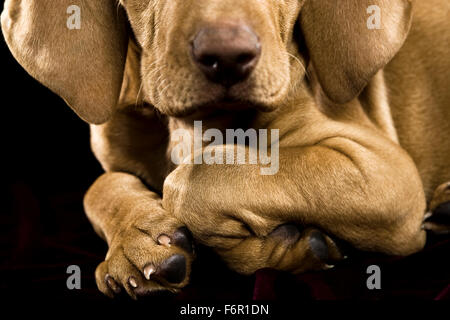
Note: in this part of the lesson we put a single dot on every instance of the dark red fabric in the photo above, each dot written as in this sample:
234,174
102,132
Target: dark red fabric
444,294
424,275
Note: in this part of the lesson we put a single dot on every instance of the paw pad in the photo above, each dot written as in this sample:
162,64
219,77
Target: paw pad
172,270
183,239
318,245
441,214
289,233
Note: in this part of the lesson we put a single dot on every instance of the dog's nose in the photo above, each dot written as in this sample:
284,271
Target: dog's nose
227,54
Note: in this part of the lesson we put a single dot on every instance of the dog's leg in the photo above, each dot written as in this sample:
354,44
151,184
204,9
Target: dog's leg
148,249
437,218
362,189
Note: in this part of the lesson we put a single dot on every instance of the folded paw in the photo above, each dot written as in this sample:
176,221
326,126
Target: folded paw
247,240
142,261
286,248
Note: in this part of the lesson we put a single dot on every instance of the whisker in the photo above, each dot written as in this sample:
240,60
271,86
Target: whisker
302,66
164,90
161,84
139,93
118,7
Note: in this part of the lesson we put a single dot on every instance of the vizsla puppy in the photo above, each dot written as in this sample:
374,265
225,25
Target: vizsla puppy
364,129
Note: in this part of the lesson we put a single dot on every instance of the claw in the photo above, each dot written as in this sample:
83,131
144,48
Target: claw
427,215
164,240
132,282
148,271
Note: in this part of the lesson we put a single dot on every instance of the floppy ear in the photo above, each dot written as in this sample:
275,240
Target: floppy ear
84,66
346,45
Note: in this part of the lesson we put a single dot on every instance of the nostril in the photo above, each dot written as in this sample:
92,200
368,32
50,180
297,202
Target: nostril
245,58
208,60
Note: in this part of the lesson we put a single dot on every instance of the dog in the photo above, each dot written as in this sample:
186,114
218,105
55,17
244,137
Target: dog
362,111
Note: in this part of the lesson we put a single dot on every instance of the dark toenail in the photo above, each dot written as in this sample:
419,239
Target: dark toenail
112,284
287,232
441,214
173,269
183,239
318,245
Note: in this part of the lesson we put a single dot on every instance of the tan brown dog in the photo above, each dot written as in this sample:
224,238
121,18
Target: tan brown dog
364,132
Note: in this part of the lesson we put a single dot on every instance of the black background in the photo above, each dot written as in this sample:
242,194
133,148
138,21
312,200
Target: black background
47,166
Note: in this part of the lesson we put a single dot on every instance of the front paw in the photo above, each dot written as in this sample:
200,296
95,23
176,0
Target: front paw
286,248
146,258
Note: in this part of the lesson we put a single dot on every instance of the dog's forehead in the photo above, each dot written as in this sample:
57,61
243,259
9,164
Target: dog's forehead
259,13
142,4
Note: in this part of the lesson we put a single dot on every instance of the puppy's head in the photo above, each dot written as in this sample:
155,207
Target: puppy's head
202,54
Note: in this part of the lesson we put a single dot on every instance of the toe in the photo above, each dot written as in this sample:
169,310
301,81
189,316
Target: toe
100,277
112,284
172,270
